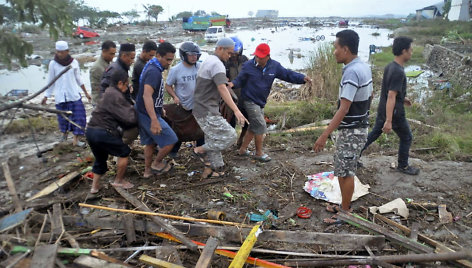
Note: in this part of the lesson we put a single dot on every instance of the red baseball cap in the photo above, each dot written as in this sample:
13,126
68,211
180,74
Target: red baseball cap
262,50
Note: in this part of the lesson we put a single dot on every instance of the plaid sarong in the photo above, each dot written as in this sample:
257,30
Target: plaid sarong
78,116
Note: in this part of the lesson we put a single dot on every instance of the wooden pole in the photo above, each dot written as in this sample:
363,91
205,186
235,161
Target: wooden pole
246,248
207,254
11,187
165,215
39,108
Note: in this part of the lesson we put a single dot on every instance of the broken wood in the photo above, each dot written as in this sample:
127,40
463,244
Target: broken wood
130,232
44,256
57,227
229,254
301,129
11,221
11,187
394,237
55,185
158,263
150,213
426,257
156,219
208,252
439,246
246,248
325,241
13,260
105,257
91,262
39,108
168,252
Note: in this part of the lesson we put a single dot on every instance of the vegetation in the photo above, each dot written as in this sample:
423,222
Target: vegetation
38,123
153,11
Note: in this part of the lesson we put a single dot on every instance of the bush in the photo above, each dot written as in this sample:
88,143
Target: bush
30,28
298,113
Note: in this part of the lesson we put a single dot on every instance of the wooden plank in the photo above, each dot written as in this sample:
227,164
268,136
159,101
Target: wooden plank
11,221
243,252
91,262
325,241
207,254
414,233
130,232
11,187
105,257
156,219
158,263
44,256
168,252
57,227
439,246
55,185
394,237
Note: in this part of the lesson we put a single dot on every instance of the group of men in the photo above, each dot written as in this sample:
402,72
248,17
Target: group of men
227,77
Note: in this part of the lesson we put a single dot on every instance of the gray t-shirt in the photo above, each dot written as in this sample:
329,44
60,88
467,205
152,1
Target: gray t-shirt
183,78
212,73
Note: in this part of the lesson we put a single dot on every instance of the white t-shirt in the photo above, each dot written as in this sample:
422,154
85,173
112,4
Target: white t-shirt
184,78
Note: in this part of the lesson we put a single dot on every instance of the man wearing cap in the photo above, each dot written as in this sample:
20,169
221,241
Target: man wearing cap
125,60
98,68
255,80
210,87
66,92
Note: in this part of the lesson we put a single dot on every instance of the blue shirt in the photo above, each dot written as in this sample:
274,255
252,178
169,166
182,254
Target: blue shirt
255,82
152,76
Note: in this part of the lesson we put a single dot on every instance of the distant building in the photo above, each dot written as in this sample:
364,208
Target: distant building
460,10
431,12
267,14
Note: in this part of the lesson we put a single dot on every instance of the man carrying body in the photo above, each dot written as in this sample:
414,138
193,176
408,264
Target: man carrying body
99,67
210,87
391,110
124,62
351,118
180,85
67,93
255,79
148,52
149,101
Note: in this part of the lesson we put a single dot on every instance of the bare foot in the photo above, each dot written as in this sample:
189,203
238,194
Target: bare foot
123,184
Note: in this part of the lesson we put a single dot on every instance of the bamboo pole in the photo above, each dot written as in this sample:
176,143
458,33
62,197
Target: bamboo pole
165,215
246,248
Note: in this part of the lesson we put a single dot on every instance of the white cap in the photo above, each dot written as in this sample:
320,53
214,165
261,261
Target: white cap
61,45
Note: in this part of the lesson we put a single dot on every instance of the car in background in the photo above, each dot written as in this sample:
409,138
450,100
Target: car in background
84,32
214,33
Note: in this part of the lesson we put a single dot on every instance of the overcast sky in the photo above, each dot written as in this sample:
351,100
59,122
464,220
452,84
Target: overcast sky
286,8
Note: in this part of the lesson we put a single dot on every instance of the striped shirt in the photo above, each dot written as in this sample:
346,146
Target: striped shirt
356,86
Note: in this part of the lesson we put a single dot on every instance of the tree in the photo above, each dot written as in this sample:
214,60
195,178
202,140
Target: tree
446,8
154,11
52,14
131,15
214,13
200,13
185,14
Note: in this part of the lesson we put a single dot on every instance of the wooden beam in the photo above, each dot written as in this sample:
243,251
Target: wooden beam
394,237
325,241
158,263
130,232
57,227
44,256
11,187
156,219
55,185
168,252
207,254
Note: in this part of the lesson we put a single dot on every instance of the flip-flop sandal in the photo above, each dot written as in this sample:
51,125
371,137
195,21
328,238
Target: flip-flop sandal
94,191
214,174
164,170
333,220
335,208
262,158
199,156
246,153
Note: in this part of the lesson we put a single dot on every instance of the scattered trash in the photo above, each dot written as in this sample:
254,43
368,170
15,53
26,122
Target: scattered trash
325,186
216,215
11,221
191,173
304,212
414,74
269,214
397,206
227,193
444,215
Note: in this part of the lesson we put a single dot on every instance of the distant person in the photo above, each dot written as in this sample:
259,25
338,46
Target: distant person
210,87
148,52
233,68
351,118
180,84
149,101
255,79
98,68
66,92
391,110
104,131
125,59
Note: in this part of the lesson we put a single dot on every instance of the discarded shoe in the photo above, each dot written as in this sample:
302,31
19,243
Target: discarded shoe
410,170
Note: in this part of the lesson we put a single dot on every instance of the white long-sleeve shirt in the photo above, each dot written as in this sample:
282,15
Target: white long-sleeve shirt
67,87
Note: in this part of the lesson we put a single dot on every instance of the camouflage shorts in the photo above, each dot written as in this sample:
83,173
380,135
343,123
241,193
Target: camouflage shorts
349,144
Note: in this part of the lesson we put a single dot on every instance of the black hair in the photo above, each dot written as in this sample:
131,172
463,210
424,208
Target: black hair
149,45
164,48
117,76
350,39
400,43
108,44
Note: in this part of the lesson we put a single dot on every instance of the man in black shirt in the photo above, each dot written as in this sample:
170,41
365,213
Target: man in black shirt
391,110
148,52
